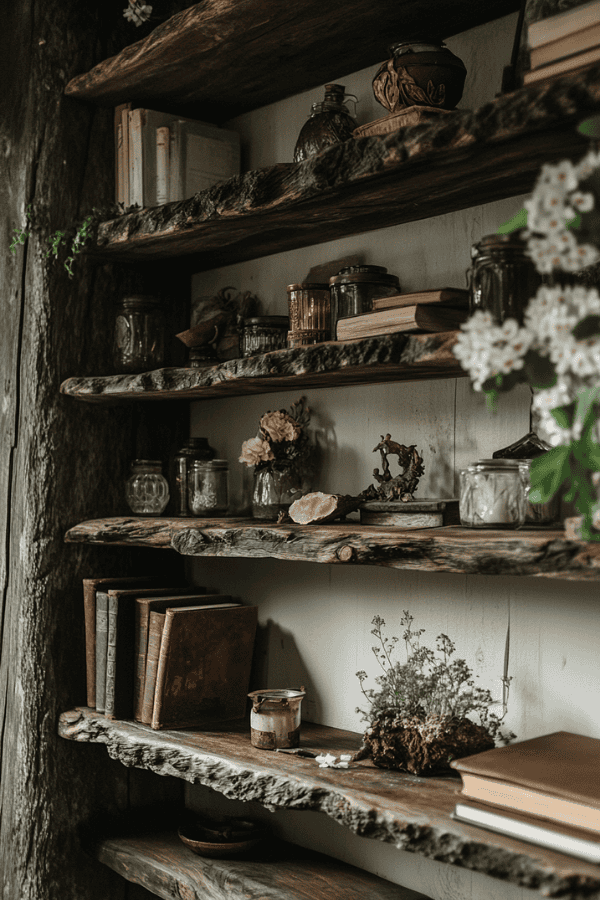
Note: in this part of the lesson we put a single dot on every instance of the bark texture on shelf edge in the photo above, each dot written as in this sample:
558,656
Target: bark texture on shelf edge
431,833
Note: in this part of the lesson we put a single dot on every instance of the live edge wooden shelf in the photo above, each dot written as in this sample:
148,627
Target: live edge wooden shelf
468,157
412,813
538,552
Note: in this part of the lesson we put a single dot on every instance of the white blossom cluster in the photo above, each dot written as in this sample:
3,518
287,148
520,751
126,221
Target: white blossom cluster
555,201
137,12
486,349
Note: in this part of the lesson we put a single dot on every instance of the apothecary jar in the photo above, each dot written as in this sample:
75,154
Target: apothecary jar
146,489
139,340
208,493
493,493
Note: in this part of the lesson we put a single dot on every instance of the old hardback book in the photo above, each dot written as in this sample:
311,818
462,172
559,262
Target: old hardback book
204,665
454,297
143,607
119,688
566,46
422,317
156,624
562,66
553,777
552,836
90,587
554,27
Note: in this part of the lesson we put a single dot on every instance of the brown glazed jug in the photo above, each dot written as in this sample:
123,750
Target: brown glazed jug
329,123
421,72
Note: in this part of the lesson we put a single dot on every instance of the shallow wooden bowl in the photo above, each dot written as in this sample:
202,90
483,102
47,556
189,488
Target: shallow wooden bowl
241,837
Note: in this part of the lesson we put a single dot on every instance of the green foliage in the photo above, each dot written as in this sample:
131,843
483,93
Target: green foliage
83,233
20,235
426,684
518,221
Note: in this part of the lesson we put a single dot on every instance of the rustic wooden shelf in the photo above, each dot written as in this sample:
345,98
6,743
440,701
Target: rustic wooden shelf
357,186
220,58
537,552
412,813
164,866
395,357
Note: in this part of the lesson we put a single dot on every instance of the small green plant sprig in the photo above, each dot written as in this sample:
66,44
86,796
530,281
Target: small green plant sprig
426,685
21,234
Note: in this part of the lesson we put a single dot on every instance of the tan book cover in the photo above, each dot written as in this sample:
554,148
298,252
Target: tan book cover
562,66
566,46
551,28
553,777
425,317
455,297
204,666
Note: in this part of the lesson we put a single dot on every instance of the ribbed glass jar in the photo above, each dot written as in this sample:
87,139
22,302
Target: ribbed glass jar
208,493
146,489
139,341
493,493
261,334
310,313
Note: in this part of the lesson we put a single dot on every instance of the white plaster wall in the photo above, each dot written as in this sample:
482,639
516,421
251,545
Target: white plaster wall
318,618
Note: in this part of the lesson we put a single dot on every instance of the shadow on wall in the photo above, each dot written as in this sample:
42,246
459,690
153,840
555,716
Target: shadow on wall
277,664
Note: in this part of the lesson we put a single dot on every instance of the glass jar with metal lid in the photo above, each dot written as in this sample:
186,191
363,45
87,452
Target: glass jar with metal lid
195,448
493,493
309,305
139,341
207,487
147,489
261,334
354,288
502,278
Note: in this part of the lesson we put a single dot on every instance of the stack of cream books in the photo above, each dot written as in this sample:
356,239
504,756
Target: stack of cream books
563,43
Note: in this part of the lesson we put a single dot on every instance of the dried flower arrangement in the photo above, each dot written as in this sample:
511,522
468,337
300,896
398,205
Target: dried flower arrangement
418,716
282,442
557,349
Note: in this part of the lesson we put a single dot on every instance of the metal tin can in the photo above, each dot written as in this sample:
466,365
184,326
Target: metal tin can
275,718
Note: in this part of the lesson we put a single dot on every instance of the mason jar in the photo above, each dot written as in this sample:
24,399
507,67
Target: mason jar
208,487
493,494
502,278
139,343
146,489
354,288
196,448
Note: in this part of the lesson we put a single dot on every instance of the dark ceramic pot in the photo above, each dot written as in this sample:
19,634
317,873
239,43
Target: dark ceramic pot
420,73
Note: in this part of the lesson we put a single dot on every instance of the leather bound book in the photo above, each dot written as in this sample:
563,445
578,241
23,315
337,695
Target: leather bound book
204,665
454,297
121,657
554,777
156,624
422,317
90,586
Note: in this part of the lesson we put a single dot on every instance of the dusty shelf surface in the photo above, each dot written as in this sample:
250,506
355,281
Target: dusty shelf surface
394,357
280,871
468,156
220,58
468,551
411,812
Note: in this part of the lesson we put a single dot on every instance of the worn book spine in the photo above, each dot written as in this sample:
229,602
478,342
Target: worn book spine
562,66
163,139
454,297
125,110
89,616
566,46
427,318
101,647
111,649
136,169
155,632
551,28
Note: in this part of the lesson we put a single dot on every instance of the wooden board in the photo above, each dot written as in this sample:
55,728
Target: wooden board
279,870
397,357
411,812
539,552
478,156
222,57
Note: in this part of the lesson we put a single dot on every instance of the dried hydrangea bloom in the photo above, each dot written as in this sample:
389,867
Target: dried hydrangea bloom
279,426
137,12
255,451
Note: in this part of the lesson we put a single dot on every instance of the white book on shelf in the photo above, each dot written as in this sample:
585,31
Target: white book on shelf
201,155
119,196
163,138
125,151
553,27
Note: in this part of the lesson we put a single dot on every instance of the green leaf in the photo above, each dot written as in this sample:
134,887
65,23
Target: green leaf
518,221
575,222
564,415
547,473
538,370
590,127
587,328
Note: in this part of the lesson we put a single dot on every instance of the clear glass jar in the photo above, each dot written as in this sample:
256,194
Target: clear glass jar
274,492
139,342
261,334
146,489
493,494
208,488
502,279
540,513
196,448
354,288
310,313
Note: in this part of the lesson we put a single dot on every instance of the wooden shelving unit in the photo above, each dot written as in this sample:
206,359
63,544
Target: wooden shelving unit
395,357
540,552
281,871
217,59
478,156
412,813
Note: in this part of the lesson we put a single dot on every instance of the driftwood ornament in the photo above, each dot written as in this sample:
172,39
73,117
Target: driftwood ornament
399,487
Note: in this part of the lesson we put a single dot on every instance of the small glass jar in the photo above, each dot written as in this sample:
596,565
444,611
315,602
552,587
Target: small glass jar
310,313
546,513
354,288
502,278
139,341
196,448
207,487
261,334
146,489
493,494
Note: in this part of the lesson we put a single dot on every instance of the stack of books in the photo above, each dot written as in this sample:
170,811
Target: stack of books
564,43
169,657
423,311
161,157
544,791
